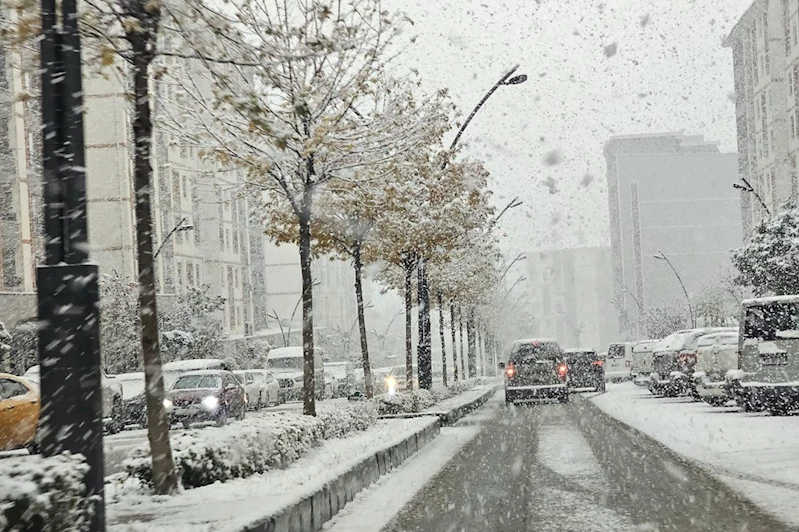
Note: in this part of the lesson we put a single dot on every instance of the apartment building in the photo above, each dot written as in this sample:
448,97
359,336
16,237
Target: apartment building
673,194
765,48
204,230
571,294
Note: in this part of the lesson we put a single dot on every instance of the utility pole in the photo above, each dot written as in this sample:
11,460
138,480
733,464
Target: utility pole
68,289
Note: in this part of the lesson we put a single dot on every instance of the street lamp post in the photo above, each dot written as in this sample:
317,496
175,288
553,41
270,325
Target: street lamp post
519,257
68,287
519,280
179,227
661,256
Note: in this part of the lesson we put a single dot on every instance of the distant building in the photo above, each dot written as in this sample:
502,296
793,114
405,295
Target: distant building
571,296
668,193
765,49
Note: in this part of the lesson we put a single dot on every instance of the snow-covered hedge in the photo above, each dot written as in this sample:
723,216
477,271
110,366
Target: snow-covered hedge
254,445
419,400
44,494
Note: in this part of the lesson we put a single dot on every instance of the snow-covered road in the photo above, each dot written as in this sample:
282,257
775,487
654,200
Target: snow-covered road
754,453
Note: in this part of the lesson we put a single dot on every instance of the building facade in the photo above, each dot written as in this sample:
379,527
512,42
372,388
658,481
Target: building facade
765,48
672,194
205,230
571,296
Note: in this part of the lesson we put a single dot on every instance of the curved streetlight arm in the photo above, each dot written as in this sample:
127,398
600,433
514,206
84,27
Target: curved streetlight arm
178,227
520,279
750,189
661,256
479,105
519,257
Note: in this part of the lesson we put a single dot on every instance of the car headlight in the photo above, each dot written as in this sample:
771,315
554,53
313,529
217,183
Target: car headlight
391,383
167,404
210,402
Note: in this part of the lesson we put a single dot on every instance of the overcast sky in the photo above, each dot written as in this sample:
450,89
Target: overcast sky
669,73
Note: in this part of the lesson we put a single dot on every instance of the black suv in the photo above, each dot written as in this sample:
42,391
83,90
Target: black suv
536,369
586,370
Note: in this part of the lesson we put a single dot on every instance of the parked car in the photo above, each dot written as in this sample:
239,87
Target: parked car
716,354
345,377
536,369
585,370
173,370
769,361
642,361
254,388
112,397
673,361
19,413
207,395
285,363
619,361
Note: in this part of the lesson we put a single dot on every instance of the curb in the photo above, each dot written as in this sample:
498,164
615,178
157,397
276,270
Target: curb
313,511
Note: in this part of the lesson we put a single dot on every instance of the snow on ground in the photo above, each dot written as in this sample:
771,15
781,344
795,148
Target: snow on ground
460,399
754,453
376,506
235,504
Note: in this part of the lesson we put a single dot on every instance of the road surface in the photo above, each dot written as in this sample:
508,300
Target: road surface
570,468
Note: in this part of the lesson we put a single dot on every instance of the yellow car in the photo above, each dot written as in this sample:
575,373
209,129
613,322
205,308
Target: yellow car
19,412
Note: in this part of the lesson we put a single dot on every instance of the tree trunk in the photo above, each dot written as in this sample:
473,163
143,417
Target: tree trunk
308,380
367,368
443,337
454,341
408,265
470,339
463,355
424,357
165,478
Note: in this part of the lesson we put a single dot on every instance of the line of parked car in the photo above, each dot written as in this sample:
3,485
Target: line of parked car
756,364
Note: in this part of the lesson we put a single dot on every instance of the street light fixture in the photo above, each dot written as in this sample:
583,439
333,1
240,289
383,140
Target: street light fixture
747,187
661,256
181,226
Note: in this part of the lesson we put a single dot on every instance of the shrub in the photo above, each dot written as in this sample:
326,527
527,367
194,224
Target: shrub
44,494
255,445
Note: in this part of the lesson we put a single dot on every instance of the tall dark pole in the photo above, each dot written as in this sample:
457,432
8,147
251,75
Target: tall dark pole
68,294
661,256
424,353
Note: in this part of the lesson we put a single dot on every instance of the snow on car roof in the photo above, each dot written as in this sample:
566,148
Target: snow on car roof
579,350
756,302
193,364
203,372
285,352
539,340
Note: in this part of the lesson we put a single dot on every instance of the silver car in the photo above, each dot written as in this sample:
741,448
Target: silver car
716,355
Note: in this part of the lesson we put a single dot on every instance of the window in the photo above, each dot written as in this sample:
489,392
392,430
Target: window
184,148
197,273
793,127
227,238
180,273
794,35
176,190
178,235
9,389
189,274
185,186
764,143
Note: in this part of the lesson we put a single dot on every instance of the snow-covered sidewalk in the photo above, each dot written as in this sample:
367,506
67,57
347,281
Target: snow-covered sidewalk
464,398
755,454
235,504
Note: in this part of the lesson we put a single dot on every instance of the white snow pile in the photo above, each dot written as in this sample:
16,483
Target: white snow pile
419,400
44,494
254,445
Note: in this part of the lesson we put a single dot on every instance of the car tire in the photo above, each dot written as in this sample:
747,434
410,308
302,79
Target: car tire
221,418
33,447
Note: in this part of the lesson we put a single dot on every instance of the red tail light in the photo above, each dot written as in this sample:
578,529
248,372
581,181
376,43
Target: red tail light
562,369
599,363
510,371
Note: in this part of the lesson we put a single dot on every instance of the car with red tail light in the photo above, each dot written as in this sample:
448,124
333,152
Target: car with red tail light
536,369
586,370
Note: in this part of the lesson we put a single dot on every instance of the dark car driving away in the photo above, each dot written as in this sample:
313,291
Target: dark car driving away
536,369
210,395
586,370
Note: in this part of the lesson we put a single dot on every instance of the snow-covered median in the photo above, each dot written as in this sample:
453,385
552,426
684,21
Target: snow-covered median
755,454
232,505
440,399
255,445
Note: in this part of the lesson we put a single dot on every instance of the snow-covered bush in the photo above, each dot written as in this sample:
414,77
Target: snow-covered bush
255,445
44,494
419,400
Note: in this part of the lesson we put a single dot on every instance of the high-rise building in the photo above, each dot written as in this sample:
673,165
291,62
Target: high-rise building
668,193
765,49
571,295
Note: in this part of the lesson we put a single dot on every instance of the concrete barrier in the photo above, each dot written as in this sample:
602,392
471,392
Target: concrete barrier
309,514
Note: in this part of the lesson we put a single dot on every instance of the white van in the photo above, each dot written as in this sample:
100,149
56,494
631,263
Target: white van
619,362
642,361
286,364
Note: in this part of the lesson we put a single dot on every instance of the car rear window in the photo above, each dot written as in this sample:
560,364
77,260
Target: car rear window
764,322
582,357
535,351
616,351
